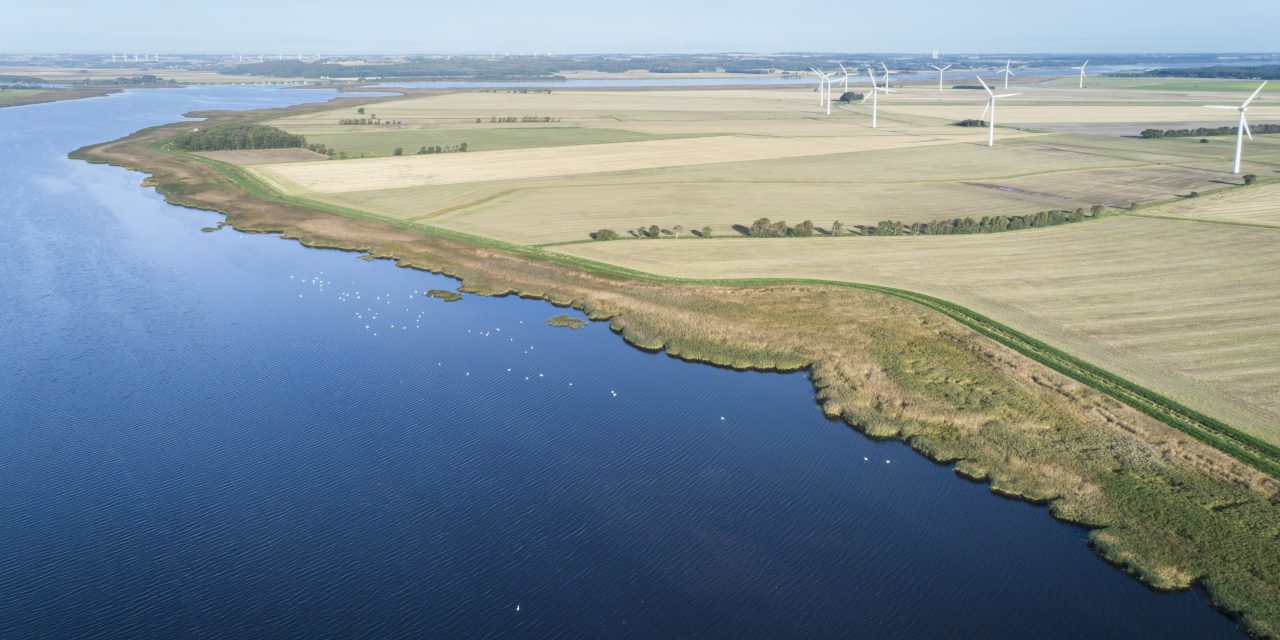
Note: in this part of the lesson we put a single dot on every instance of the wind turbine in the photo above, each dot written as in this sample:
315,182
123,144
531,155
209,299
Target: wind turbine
940,70
991,106
846,78
875,93
1242,129
1081,68
822,87
1007,72
886,74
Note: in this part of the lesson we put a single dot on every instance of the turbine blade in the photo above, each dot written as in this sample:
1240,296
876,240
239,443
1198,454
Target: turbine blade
946,67
985,110
1247,132
1008,95
984,85
846,71
1220,106
1254,95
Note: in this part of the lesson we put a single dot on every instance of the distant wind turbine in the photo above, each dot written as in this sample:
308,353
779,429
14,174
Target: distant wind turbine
875,93
1007,72
824,89
886,74
1081,68
991,106
1242,129
846,78
940,70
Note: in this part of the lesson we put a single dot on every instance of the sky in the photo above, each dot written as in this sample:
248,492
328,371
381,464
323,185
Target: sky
655,26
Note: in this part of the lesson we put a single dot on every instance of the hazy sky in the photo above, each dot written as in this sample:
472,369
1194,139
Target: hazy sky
568,26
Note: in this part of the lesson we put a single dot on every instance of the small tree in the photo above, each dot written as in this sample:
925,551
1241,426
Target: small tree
605,234
803,230
654,231
1097,210
360,111
1250,178
462,147
677,230
398,151
837,228
706,232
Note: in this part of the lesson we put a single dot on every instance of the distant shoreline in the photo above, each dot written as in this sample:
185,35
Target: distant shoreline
57,95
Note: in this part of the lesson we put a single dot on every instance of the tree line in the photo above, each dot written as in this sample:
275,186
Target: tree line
1252,72
970,122
986,224
427,150
507,119
1204,132
234,136
767,228
652,232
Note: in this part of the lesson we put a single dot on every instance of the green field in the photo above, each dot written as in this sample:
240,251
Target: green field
377,141
17,95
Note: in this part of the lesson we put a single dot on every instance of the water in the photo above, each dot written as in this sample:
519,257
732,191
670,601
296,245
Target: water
209,435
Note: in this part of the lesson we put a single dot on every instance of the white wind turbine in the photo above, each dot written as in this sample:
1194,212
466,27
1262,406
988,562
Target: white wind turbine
940,73
1007,72
1242,129
1081,68
875,93
846,78
822,86
886,74
991,106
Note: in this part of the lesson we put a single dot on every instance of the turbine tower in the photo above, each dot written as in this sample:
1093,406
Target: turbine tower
846,78
940,70
1081,68
875,94
1007,72
991,106
824,89
1242,129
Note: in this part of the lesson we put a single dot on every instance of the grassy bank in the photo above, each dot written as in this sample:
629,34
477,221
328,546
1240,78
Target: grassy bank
1160,502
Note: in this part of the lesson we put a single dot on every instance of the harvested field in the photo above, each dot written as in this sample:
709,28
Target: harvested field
1149,299
390,173
1256,205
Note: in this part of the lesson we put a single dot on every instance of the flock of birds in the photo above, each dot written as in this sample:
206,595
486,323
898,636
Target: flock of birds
367,319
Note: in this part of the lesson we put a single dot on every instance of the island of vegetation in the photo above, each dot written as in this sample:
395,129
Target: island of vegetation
567,321
1167,494
444,294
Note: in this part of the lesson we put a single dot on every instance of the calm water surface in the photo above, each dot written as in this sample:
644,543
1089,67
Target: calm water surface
220,435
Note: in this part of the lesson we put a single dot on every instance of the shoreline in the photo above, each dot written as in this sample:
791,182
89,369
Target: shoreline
893,367
60,94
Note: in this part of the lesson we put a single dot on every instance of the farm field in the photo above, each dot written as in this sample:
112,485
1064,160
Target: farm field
1256,206
1145,298
1141,296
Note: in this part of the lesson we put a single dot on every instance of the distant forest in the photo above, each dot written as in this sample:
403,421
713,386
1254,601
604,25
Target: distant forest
1204,132
1259,72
